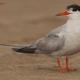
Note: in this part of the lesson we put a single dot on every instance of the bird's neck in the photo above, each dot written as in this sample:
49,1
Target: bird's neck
73,21
74,17
73,25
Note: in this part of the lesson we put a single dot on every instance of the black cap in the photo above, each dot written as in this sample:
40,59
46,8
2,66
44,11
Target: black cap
74,7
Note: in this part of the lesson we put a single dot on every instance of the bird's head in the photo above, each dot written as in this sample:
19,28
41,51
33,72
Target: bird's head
73,11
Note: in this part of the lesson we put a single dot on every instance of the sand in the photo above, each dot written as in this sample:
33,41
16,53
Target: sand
24,21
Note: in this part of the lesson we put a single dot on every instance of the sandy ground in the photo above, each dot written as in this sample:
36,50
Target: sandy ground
23,21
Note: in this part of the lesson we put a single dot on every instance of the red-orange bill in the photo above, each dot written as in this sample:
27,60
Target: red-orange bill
65,13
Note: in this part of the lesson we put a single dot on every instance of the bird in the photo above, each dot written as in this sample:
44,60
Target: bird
61,41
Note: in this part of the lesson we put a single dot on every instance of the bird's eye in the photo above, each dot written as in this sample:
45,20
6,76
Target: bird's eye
74,10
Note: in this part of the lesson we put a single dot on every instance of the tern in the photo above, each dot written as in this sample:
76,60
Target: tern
62,41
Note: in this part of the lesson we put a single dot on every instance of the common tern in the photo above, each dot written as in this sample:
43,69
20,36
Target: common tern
62,41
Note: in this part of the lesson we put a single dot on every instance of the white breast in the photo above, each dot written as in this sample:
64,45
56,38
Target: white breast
72,34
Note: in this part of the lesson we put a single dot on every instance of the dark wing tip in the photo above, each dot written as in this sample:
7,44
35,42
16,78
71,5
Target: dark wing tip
15,49
24,50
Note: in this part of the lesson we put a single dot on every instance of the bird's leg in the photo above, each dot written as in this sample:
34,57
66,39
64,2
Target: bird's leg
67,63
67,68
59,64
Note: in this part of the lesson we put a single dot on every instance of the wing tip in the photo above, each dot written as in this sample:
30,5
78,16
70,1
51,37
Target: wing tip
20,50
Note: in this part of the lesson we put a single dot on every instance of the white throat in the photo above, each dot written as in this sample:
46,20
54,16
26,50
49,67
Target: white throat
73,25
74,15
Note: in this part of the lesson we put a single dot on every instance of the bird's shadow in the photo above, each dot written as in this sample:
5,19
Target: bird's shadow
47,68
53,69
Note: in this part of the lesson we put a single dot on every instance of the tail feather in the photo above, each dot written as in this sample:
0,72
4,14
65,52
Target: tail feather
25,50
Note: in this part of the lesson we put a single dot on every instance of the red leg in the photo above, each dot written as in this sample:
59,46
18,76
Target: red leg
59,64
67,63
67,68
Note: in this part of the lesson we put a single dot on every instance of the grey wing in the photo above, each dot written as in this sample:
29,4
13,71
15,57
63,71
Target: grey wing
52,42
